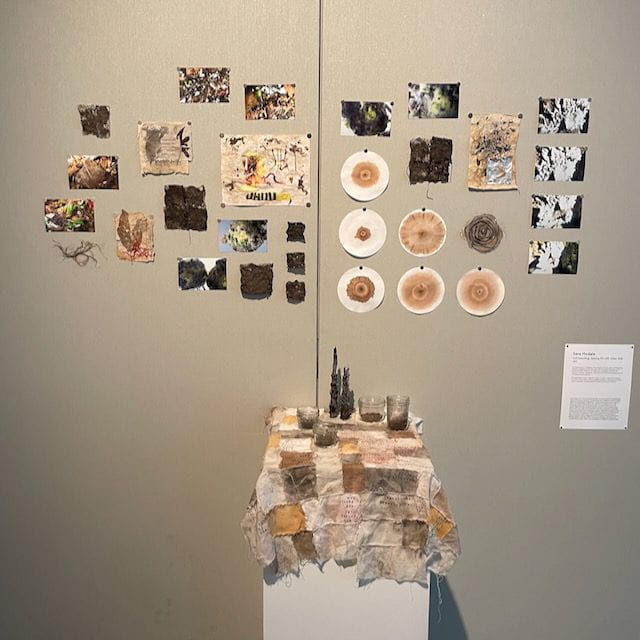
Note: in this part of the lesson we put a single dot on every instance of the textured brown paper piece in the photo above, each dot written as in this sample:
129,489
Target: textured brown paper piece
394,563
353,477
300,483
492,152
292,459
303,543
134,233
164,148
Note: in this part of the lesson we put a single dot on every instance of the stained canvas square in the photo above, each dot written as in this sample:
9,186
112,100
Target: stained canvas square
95,120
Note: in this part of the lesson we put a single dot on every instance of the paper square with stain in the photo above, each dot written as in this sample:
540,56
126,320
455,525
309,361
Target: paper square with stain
261,170
95,120
184,208
203,84
164,148
134,233
68,214
493,140
92,172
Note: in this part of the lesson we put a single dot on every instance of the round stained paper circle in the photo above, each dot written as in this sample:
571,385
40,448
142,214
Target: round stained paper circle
362,233
422,232
364,175
480,291
361,289
421,290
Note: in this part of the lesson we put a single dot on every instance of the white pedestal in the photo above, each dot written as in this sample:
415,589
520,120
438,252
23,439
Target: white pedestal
329,605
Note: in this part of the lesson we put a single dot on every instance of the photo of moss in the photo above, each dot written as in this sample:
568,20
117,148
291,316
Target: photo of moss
69,215
202,274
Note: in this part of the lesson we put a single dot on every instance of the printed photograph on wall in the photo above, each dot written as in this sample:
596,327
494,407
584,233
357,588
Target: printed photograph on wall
429,100
69,215
203,84
492,152
556,211
164,148
560,164
265,170
95,120
552,257
202,274
563,115
430,159
366,118
269,101
134,233
92,172
242,236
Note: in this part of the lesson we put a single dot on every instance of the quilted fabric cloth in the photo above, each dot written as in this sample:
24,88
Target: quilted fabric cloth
371,499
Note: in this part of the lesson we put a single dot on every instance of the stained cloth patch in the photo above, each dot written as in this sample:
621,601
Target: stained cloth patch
286,519
372,499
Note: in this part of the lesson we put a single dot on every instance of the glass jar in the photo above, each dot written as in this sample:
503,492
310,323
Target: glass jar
397,412
325,434
307,417
371,408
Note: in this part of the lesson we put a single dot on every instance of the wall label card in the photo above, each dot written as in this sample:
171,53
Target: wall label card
596,386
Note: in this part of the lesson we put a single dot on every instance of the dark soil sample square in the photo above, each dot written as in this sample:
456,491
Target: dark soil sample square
256,280
295,262
296,291
430,160
95,120
184,208
295,231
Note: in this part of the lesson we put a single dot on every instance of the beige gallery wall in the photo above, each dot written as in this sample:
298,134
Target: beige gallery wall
132,420
549,520
131,413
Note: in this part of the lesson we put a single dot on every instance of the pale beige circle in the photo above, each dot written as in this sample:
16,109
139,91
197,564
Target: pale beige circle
360,289
421,290
364,175
362,232
422,232
480,291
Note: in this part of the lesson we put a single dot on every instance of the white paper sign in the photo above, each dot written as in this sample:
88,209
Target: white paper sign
596,386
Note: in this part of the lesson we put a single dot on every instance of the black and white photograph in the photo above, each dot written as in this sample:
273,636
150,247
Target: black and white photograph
551,257
556,211
563,115
560,164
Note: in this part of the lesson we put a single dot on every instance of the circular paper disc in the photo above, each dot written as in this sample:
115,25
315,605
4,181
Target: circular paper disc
420,290
480,291
362,232
364,175
422,232
361,289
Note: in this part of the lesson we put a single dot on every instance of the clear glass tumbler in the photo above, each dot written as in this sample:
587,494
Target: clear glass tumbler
325,434
397,412
371,408
307,417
